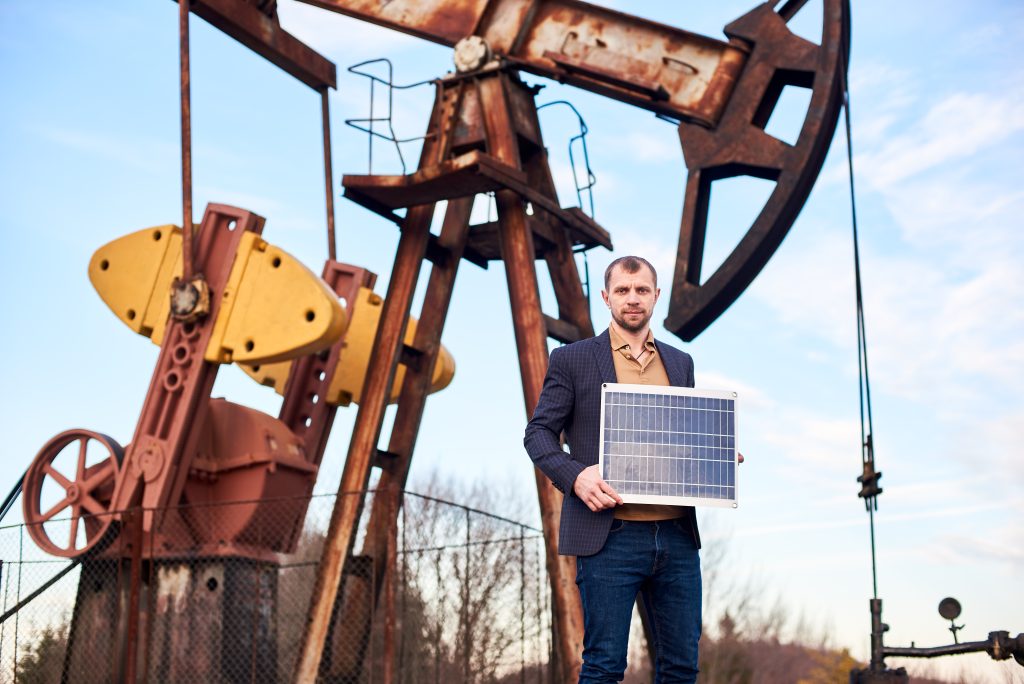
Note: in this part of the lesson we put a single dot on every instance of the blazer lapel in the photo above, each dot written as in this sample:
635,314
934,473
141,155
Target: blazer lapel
676,375
603,355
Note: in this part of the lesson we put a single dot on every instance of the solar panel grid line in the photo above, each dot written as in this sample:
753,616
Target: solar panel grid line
669,445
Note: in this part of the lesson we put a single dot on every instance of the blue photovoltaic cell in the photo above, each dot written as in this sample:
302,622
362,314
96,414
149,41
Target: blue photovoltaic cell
670,445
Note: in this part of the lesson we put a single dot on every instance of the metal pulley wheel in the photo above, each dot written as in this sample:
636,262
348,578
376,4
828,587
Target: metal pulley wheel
68,513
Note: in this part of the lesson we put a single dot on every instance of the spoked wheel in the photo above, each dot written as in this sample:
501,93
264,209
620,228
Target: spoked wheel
60,500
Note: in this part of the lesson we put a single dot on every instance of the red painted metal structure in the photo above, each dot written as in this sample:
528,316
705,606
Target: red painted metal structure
483,135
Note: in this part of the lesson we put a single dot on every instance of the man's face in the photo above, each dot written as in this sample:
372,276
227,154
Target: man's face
631,297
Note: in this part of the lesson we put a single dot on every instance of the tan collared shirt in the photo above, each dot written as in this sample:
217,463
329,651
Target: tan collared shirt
644,369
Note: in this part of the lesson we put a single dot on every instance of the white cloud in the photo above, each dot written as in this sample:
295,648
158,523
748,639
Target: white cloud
957,127
952,207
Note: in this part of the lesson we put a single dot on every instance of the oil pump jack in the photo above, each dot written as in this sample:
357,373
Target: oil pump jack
483,135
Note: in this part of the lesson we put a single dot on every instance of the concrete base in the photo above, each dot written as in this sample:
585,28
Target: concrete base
208,620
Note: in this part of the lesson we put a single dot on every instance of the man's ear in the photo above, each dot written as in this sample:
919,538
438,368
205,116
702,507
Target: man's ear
657,293
604,296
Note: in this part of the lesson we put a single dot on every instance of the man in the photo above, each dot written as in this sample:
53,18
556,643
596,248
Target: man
621,549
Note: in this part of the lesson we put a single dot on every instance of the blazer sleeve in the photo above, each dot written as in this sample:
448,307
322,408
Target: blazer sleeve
552,415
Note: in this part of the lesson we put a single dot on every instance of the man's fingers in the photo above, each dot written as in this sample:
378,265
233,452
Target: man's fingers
598,500
610,491
595,492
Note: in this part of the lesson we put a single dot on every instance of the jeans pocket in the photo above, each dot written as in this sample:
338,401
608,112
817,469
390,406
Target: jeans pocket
685,526
616,525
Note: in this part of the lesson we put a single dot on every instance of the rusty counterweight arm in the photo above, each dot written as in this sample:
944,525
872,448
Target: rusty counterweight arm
661,68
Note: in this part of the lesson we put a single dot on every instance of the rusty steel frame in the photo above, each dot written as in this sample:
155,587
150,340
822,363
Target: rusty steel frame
134,522
493,111
303,409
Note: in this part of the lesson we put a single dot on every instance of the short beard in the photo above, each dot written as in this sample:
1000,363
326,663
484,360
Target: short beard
631,327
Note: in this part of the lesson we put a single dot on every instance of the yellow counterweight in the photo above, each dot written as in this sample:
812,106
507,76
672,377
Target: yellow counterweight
273,310
347,386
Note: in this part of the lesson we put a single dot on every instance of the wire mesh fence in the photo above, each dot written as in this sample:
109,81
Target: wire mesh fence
221,593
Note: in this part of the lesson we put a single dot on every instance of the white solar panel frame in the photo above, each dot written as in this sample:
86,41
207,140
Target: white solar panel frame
676,391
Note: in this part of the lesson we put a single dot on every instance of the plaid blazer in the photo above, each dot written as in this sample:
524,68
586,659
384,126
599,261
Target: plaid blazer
571,402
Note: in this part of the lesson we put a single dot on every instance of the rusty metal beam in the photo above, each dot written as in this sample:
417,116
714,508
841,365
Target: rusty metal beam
380,542
508,147
661,68
325,115
185,86
388,343
263,34
573,307
363,445
517,251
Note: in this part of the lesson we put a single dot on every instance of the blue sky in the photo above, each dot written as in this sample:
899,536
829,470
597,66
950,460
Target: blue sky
89,133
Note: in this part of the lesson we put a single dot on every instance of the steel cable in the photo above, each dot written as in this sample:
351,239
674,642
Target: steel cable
864,381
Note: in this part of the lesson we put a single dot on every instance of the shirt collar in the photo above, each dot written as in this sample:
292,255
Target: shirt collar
618,342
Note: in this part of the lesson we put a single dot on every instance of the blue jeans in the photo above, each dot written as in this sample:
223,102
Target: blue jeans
658,560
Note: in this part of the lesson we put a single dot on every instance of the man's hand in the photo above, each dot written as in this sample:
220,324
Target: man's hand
594,491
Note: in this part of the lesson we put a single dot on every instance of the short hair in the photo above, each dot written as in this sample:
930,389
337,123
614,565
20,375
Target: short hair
629,264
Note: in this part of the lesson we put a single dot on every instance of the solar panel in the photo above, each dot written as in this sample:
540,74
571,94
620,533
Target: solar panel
669,445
